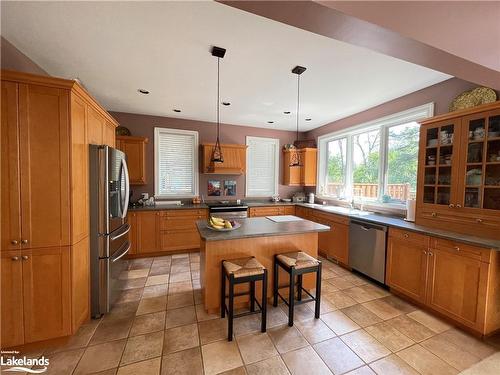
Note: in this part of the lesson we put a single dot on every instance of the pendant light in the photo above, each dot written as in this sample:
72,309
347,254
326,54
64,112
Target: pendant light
217,156
295,156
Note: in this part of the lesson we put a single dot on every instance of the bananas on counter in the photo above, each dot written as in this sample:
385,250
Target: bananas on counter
218,223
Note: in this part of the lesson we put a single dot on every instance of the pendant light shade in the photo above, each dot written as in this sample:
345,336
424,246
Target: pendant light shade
295,155
217,156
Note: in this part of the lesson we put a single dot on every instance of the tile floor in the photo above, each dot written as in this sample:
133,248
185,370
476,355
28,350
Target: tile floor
159,326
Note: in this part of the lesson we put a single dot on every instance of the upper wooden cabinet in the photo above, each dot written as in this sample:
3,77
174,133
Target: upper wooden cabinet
303,175
135,149
235,159
459,172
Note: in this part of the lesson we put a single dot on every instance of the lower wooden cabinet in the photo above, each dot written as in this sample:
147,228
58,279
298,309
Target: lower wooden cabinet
148,232
275,210
36,295
334,243
454,279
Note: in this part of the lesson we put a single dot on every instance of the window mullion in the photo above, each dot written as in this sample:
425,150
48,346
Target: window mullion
384,155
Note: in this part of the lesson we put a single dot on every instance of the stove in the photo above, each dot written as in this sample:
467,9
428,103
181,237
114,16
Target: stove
228,209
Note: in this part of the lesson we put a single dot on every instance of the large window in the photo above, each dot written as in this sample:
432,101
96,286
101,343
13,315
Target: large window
376,161
262,167
176,163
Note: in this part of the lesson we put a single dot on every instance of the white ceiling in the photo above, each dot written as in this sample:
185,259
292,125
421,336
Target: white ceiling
117,47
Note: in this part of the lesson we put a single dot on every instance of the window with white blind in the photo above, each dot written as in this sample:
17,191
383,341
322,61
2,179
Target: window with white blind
262,166
176,163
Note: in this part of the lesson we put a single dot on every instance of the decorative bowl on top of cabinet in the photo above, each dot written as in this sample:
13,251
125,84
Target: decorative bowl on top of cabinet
459,171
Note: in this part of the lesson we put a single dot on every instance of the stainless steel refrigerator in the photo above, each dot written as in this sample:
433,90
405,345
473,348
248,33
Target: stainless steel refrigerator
109,230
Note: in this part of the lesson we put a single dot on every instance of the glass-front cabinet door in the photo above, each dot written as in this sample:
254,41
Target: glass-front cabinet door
440,160
480,167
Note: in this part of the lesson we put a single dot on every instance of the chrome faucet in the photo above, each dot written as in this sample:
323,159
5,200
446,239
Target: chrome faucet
351,205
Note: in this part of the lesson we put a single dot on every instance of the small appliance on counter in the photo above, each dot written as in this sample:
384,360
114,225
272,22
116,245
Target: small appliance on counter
311,198
299,198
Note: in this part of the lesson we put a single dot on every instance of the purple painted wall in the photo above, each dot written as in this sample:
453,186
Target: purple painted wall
13,59
143,125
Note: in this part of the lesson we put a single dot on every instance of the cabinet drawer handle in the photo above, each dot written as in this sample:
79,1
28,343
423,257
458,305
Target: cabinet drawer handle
451,205
424,251
25,257
434,214
456,248
15,258
430,253
406,235
459,206
14,242
24,242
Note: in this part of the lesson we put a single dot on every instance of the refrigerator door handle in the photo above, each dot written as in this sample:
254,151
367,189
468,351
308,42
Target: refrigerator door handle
127,226
127,188
127,246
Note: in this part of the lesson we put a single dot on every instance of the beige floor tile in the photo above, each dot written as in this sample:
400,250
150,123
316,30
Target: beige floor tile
305,361
271,366
157,280
148,367
325,306
202,315
184,257
62,363
134,283
134,274
339,323
181,338
155,291
112,330
314,330
392,365
235,371
488,366
389,336
220,356
180,317
411,328
454,355
338,356
365,346
471,344
159,270
182,287
361,315
122,311
357,280
130,295
256,347
175,301
400,305
140,263
382,309
365,293
327,287
187,362
198,297
151,305
212,330
78,340
180,268
327,274
287,338
300,312
365,370
140,348
339,299
431,322
340,283
179,277
148,323
101,357
425,362
246,324
111,371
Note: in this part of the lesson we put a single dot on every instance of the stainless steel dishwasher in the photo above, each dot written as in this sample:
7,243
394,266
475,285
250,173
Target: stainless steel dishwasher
367,249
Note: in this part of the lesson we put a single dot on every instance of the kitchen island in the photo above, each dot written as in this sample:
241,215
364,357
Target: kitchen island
259,237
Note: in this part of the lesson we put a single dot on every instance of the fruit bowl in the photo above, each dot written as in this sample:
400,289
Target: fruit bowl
221,225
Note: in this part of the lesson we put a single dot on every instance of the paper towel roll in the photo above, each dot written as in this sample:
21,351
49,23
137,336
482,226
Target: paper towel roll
410,209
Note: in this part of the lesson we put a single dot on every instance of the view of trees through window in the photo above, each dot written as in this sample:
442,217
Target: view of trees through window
401,153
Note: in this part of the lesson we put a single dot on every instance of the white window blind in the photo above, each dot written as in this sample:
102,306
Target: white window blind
262,167
176,163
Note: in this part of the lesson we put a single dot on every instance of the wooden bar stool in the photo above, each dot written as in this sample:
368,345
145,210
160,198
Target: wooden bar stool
238,271
296,264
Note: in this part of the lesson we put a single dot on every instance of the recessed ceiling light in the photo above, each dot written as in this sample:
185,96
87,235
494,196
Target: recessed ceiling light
270,122
143,91
176,110
286,112
308,119
226,103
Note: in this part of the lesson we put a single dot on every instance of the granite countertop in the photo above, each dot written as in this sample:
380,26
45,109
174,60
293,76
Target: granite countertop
402,224
260,227
184,206
270,203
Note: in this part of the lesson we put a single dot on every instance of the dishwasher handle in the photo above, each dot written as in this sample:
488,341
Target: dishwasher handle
367,226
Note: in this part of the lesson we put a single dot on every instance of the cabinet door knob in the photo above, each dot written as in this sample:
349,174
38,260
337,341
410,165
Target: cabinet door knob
14,242
430,253
456,248
459,205
479,221
15,258
434,214
405,235
24,242
425,252
451,205
25,257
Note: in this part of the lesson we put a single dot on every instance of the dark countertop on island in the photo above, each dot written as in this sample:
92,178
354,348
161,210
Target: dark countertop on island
260,227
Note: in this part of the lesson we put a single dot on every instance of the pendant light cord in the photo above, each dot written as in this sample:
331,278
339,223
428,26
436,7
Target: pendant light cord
218,96
298,105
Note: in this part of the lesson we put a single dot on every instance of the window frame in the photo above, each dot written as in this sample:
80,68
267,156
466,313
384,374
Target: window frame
276,174
195,172
383,124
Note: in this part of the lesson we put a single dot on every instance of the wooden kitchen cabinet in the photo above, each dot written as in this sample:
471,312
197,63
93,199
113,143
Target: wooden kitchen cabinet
12,299
458,185
135,149
133,234
148,232
108,134
334,243
235,159
303,212
303,175
275,210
